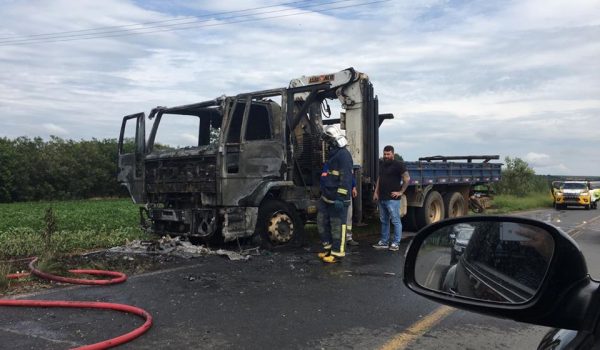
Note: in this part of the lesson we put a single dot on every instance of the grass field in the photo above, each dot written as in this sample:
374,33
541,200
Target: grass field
91,224
506,204
80,226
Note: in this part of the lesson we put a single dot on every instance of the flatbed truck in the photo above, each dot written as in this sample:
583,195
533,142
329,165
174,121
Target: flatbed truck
249,164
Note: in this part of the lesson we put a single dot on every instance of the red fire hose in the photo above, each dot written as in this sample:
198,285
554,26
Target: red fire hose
118,277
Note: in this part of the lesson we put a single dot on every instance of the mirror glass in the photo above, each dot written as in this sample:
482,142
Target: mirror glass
486,260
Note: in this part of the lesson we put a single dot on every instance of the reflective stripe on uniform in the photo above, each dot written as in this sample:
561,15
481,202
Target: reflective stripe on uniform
342,191
335,172
343,241
326,200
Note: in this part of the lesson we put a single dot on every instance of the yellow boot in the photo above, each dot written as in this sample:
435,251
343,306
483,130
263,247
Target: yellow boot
330,259
323,254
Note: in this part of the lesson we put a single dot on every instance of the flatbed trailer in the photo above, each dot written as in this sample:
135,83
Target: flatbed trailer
440,187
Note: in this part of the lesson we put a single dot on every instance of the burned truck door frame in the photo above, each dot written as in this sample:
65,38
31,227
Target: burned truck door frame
252,148
251,157
131,165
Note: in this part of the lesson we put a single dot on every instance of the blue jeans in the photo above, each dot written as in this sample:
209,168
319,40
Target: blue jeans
390,210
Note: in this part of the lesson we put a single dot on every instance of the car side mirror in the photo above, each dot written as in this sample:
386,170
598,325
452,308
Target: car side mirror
504,266
497,261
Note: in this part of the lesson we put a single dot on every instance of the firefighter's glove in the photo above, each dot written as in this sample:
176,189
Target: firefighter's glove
339,205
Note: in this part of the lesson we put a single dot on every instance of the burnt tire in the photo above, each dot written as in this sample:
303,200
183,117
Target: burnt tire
455,205
279,225
432,210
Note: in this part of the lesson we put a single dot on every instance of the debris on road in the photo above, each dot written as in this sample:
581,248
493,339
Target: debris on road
174,246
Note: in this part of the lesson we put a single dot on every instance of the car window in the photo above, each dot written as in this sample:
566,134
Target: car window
574,186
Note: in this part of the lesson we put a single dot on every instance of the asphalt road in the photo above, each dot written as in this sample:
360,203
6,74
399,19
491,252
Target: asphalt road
284,300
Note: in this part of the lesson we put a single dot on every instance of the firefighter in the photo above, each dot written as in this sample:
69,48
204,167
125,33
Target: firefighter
336,189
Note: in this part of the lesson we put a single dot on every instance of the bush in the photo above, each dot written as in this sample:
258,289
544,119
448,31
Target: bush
518,179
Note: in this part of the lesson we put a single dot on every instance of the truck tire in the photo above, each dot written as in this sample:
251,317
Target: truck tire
279,225
455,205
432,210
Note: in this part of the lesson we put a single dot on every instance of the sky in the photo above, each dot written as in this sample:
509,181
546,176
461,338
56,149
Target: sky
513,78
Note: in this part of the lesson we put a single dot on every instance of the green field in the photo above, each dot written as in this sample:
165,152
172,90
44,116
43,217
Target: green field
507,203
93,224
80,226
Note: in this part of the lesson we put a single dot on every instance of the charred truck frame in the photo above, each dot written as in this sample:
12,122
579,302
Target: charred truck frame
255,161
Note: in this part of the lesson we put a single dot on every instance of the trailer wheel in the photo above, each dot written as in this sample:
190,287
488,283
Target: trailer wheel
432,209
279,225
455,205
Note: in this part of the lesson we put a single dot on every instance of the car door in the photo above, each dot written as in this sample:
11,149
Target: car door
131,150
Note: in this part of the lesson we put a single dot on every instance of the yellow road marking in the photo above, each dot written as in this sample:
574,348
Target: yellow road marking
432,273
417,329
575,232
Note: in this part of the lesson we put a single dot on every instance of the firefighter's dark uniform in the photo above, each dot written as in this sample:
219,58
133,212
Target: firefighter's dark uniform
336,194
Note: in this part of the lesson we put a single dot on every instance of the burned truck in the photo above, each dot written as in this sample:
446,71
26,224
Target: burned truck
250,164
245,164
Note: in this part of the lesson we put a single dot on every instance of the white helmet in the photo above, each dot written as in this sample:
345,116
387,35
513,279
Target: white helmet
332,132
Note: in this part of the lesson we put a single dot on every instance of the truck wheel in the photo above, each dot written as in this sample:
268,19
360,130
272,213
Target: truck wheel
279,225
432,209
455,205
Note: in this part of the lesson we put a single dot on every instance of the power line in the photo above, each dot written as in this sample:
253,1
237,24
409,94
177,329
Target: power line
23,37
183,26
176,26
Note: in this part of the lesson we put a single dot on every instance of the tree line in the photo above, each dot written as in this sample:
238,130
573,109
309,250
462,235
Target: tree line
57,169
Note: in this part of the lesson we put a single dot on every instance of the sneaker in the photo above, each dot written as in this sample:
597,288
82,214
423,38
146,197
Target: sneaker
351,242
394,247
380,245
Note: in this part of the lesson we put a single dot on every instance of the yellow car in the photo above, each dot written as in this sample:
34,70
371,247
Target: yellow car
574,193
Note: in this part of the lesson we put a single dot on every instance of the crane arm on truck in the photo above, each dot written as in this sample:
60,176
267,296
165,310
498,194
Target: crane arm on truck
344,82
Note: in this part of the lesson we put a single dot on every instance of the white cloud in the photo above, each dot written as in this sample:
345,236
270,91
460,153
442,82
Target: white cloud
514,78
54,129
537,159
